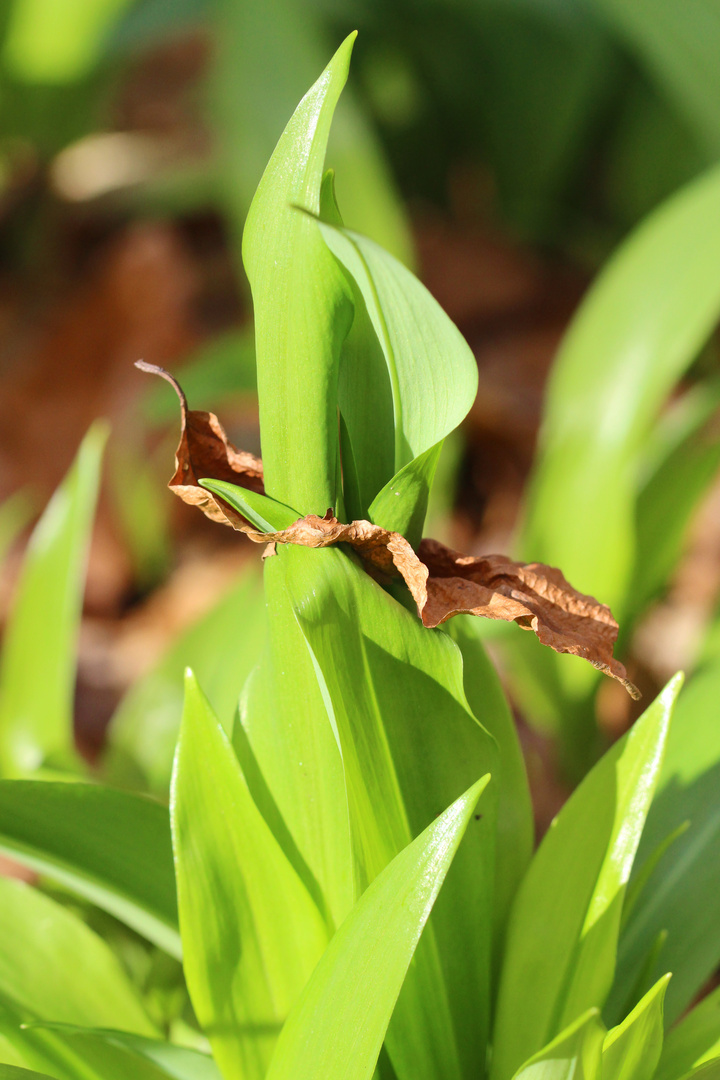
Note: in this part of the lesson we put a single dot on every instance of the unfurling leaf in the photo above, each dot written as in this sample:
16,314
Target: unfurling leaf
204,450
442,582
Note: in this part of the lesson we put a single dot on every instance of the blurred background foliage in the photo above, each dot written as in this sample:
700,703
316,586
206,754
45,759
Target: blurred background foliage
504,149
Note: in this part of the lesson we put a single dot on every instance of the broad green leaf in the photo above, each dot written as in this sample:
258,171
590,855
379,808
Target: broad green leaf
251,932
12,1072
337,1028
515,821
680,895
36,712
574,1055
112,848
631,1050
176,1061
402,504
221,647
69,1052
295,752
692,1042
82,981
710,1070
303,306
267,515
409,742
433,373
637,331
565,921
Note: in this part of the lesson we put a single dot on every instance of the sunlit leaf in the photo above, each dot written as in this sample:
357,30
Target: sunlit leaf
111,848
337,1028
575,1054
632,1050
36,709
251,932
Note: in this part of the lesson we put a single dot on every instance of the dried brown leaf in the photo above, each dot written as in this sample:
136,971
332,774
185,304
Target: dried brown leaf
442,582
204,451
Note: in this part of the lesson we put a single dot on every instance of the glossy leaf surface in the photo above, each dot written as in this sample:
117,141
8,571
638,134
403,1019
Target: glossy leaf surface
574,1055
41,635
303,307
680,895
401,505
632,1050
566,918
337,1028
112,848
83,982
409,742
251,932
433,373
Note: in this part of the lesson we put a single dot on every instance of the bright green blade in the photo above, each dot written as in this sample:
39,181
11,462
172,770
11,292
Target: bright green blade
337,1028
221,647
12,1072
303,307
692,1042
433,373
515,821
296,753
680,895
82,981
111,848
251,932
178,1062
564,925
575,1054
37,672
267,515
402,504
409,743
632,1050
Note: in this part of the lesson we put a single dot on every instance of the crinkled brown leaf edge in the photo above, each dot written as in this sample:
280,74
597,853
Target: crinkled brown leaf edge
442,582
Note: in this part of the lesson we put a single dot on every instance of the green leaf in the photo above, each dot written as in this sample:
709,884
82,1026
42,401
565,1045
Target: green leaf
267,515
36,712
695,1040
637,331
402,504
251,932
179,1062
515,820
681,892
143,731
15,514
303,307
12,1072
433,373
337,1028
409,742
111,848
295,754
574,1055
82,981
632,1050
710,1070
565,921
